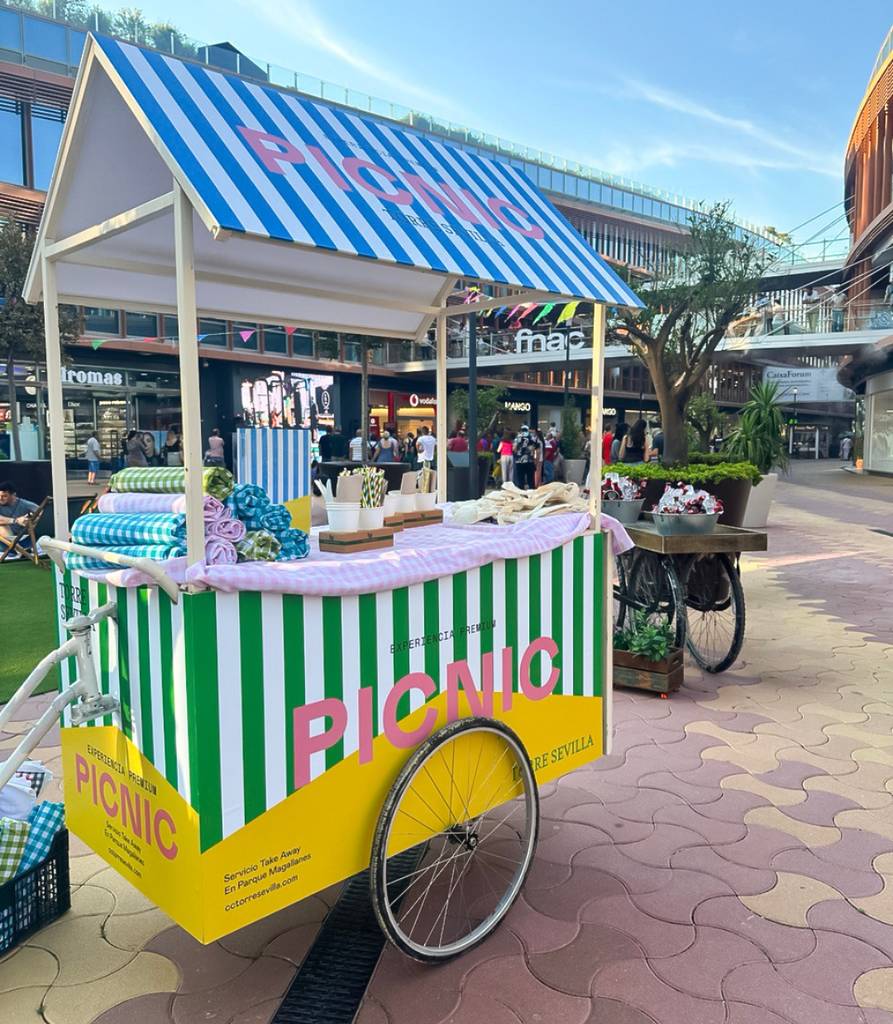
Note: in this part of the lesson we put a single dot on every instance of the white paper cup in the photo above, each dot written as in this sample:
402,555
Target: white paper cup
392,503
407,502
344,516
425,501
372,518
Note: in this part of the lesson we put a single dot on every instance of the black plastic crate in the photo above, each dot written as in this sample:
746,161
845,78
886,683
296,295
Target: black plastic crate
35,898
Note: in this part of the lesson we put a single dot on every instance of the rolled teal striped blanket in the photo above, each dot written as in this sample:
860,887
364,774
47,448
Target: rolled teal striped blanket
275,518
105,529
216,481
248,503
159,552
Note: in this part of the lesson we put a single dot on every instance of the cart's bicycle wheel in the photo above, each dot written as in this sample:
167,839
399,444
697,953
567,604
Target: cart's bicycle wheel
621,589
714,611
466,806
654,589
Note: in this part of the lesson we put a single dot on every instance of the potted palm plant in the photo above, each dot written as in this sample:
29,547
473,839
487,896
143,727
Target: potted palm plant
759,438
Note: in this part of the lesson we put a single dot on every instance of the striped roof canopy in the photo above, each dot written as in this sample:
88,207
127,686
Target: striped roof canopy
260,164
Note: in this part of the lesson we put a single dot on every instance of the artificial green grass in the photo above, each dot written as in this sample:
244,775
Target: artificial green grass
27,625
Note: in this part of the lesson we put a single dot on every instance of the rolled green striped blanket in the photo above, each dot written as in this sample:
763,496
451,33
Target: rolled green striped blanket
104,529
158,552
258,546
216,481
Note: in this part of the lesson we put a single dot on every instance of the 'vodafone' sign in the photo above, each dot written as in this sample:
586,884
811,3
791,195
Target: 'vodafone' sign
416,400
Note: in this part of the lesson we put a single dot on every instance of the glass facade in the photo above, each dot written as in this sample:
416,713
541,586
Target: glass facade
46,133
12,142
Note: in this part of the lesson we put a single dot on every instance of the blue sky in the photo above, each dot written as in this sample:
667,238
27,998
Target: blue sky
748,102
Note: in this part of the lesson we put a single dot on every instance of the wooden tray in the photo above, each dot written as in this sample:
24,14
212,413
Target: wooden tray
394,522
361,540
425,518
723,539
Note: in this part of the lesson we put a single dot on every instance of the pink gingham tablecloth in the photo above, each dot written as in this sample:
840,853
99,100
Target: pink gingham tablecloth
419,554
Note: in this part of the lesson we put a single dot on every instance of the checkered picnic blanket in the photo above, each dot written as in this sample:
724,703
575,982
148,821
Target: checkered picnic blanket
13,837
114,529
216,481
158,552
45,820
258,546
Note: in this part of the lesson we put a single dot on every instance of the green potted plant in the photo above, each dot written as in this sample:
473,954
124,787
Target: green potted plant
759,438
572,445
731,482
644,658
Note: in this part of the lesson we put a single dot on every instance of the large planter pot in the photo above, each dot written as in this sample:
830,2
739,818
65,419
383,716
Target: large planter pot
573,471
638,673
733,494
756,514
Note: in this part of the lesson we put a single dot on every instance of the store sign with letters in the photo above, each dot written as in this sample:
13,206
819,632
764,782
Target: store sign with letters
74,375
813,384
527,340
416,400
516,406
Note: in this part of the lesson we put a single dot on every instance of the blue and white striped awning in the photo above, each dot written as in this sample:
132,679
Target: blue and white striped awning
275,165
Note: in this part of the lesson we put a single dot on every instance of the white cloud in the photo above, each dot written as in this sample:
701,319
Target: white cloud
301,23
800,157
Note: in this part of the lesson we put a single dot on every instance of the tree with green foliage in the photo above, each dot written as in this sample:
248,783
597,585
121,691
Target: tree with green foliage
130,22
21,325
571,441
688,309
491,401
703,416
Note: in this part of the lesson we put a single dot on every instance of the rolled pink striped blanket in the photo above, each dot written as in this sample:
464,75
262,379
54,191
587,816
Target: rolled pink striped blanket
212,508
226,528
220,552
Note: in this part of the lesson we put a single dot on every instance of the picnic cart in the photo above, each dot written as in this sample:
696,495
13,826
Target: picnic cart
235,738
691,581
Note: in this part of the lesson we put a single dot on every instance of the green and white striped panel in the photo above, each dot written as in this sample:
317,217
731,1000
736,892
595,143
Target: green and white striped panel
140,660
252,658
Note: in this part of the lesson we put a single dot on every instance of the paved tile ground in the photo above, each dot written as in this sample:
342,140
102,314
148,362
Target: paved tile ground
730,863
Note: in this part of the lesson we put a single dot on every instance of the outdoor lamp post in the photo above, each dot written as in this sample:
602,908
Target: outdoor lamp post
793,424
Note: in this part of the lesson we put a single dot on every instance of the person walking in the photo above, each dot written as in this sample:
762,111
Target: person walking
634,447
539,457
657,446
620,432
214,455
387,449
846,447
458,442
356,447
426,446
524,454
92,453
550,454
136,452
506,462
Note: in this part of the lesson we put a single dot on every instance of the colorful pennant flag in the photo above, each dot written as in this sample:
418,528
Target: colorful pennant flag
549,306
531,306
515,310
567,312
201,337
96,342
289,331
246,336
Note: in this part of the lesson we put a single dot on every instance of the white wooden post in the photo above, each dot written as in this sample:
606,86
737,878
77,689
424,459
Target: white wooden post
54,399
595,412
441,419
184,256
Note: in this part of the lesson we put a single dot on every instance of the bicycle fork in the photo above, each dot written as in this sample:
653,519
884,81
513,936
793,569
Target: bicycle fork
91,703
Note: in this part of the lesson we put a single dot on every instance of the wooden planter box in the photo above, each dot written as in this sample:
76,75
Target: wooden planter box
638,673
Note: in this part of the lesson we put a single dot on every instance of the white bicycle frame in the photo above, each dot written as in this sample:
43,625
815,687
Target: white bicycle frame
85,694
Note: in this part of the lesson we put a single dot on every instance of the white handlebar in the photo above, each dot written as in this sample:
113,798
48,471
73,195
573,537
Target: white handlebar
54,548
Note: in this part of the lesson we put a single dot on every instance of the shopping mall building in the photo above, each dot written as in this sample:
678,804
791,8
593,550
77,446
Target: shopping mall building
869,267
278,374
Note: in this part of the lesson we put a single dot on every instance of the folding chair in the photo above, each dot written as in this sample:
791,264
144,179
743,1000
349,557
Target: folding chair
26,530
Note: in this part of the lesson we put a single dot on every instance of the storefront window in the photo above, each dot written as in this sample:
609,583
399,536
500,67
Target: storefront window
880,432
276,340
46,134
171,328
100,321
12,154
302,343
46,39
141,325
214,332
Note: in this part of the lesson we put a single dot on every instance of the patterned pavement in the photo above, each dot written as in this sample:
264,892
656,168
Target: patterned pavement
730,863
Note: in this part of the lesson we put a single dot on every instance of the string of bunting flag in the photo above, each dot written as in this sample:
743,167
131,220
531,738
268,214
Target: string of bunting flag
245,334
524,310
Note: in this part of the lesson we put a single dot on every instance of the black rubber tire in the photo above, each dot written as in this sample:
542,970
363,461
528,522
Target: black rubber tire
378,858
725,593
621,590
654,587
